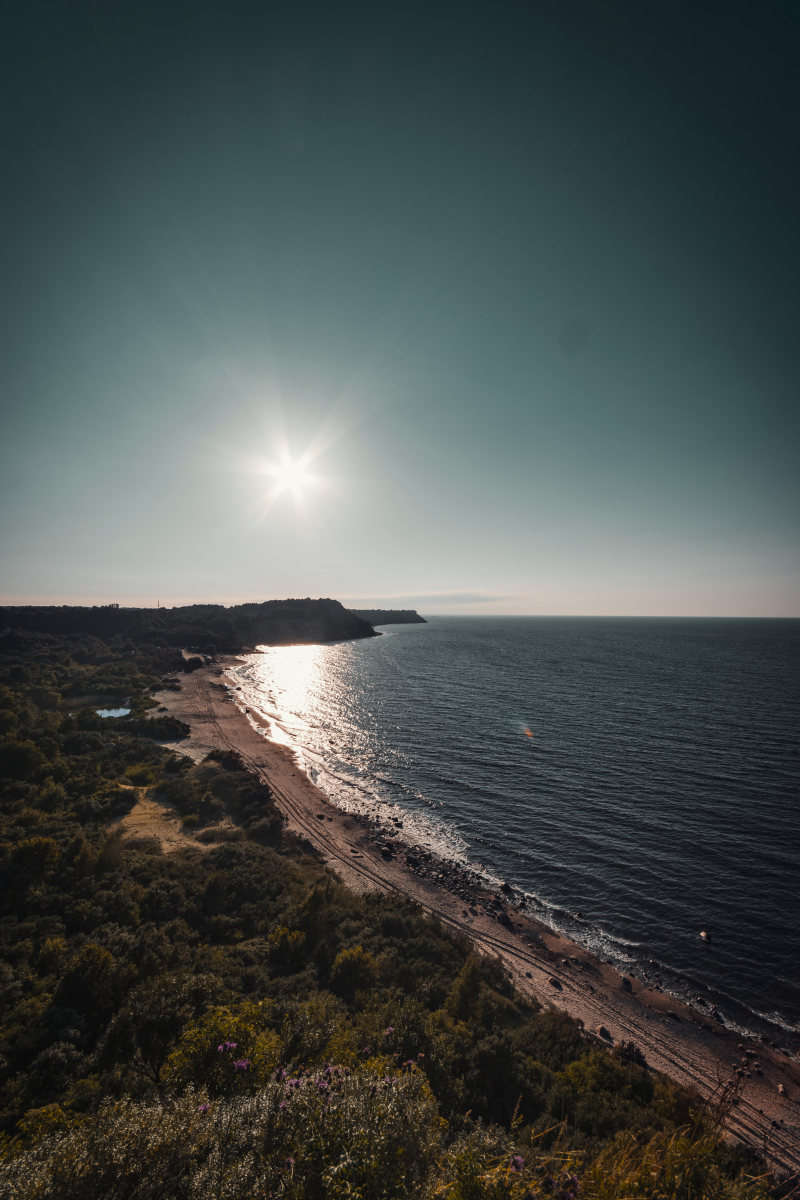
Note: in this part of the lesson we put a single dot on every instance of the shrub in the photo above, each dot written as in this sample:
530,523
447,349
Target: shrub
685,1165
330,1134
226,1052
20,758
353,970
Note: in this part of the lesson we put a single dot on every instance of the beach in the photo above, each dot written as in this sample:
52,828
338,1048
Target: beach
693,1049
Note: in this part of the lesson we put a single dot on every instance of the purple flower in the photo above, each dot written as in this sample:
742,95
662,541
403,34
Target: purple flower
230,1045
389,1031
203,1107
220,1049
517,1162
282,1105
409,1062
290,1162
242,1064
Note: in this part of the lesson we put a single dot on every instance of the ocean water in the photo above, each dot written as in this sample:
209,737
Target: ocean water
634,780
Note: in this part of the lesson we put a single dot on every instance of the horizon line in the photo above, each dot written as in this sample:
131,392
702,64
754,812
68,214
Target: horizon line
157,607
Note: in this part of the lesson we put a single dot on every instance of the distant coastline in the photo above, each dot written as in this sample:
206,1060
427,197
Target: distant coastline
389,616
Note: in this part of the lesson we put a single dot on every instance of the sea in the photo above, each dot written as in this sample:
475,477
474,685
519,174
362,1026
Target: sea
635,781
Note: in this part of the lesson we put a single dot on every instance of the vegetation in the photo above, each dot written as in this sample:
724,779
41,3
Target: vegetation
389,616
229,1021
208,627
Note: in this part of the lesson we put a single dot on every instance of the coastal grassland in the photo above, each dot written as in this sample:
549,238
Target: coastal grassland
228,1020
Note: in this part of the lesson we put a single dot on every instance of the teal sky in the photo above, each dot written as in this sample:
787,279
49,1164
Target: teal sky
517,281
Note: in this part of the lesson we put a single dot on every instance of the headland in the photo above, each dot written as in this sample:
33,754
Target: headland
207,628
389,616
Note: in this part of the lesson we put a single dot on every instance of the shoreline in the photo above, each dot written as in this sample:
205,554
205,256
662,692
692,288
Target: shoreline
689,1047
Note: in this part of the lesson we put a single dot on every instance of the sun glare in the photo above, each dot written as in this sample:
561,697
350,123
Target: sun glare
286,480
291,475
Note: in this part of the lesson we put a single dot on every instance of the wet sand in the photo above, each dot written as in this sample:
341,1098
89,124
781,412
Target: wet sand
694,1050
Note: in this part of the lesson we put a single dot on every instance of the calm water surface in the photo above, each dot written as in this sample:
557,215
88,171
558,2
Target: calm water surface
636,781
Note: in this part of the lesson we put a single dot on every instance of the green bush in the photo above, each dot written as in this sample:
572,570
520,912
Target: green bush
20,758
330,1134
354,970
226,1052
689,1164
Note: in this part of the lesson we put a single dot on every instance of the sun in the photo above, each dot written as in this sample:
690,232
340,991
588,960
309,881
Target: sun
291,476
287,480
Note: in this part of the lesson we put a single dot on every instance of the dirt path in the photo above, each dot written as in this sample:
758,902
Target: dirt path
691,1049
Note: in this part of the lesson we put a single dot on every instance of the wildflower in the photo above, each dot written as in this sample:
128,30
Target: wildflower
230,1045
409,1062
220,1049
242,1064
290,1161
388,1032
517,1162
282,1105
203,1107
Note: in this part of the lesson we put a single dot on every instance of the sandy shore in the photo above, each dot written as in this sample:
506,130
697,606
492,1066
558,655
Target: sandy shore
693,1050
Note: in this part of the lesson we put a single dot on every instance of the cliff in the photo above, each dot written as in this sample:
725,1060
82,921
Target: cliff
389,616
204,626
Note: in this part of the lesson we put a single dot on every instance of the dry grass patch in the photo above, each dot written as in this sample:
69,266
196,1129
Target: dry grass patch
155,819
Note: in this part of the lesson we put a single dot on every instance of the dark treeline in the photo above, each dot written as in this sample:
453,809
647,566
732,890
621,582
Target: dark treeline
204,626
228,1020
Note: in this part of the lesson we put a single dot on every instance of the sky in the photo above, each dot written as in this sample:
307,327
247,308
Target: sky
469,307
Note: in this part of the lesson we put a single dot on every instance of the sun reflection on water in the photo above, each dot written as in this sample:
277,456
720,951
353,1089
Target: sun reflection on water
290,676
